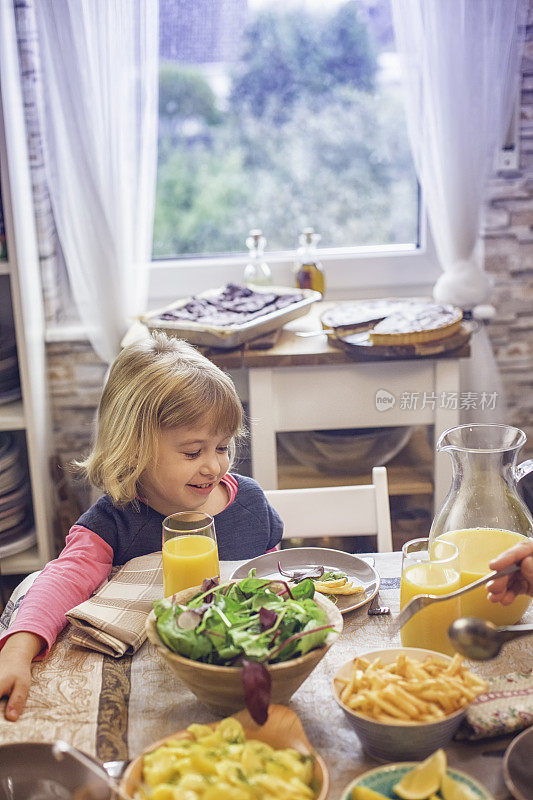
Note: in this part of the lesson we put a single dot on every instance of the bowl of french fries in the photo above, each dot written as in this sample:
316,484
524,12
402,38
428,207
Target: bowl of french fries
405,702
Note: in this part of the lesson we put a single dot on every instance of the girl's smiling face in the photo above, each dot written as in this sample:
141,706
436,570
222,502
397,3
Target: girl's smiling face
186,474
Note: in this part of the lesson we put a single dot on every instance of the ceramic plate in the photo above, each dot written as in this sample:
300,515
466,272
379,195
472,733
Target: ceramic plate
15,498
11,395
518,766
382,779
17,540
301,557
11,478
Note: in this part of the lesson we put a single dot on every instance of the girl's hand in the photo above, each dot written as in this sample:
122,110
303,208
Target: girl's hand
504,590
15,670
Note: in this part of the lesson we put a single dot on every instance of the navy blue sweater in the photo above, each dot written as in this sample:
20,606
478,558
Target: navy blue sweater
248,527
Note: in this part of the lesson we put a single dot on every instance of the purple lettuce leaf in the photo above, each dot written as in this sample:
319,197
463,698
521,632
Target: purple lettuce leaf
209,583
257,685
267,618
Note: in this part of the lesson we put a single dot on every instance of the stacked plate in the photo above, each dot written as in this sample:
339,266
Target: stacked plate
15,498
9,371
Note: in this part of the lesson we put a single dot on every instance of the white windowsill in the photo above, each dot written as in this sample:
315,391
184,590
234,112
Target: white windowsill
368,274
66,332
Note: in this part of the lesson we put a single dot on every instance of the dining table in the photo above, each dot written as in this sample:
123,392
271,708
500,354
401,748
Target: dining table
114,708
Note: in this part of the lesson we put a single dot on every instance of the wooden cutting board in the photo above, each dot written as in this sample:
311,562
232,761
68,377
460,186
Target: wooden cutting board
360,346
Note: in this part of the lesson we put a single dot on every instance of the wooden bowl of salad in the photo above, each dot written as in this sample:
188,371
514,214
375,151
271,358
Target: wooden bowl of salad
244,643
260,763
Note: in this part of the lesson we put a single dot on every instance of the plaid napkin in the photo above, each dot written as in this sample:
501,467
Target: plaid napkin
112,620
506,707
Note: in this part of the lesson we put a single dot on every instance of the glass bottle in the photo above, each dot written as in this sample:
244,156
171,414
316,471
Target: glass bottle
309,270
483,513
257,271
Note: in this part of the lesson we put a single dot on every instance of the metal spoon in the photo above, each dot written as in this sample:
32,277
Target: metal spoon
481,640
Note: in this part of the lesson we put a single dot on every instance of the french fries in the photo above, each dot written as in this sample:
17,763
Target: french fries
338,586
409,690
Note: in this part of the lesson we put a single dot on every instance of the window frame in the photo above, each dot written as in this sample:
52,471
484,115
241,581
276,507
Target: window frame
366,271
350,272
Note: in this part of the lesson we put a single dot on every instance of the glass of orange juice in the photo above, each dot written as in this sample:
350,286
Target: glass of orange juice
190,552
430,570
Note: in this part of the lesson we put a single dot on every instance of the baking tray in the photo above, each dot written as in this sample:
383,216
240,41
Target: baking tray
228,336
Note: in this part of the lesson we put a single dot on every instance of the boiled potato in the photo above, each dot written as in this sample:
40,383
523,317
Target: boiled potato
221,764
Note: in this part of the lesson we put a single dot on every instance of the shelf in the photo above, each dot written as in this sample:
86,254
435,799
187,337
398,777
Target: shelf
21,308
410,472
12,416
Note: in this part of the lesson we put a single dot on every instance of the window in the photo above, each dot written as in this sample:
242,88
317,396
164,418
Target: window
280,115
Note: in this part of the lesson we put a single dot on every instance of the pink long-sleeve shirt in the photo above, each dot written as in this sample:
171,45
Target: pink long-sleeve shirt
82,566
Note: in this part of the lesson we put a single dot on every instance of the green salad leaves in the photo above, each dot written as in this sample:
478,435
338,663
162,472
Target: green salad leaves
249,623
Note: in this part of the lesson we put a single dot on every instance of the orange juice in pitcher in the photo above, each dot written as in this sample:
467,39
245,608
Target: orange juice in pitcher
477,547
483,513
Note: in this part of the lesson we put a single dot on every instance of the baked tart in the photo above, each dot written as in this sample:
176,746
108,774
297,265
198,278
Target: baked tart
417,323
394,321
359,315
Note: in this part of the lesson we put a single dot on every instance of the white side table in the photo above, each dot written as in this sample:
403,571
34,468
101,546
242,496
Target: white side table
343,395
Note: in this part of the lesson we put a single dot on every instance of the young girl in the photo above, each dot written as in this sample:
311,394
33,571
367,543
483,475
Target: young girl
167,424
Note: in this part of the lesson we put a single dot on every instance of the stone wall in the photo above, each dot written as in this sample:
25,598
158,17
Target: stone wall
76,374
508,235
75,379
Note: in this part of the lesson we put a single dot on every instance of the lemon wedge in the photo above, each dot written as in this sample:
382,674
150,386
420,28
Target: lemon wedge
364,793
453,790
425,779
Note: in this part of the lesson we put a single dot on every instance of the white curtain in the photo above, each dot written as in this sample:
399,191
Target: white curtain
100,75
461,61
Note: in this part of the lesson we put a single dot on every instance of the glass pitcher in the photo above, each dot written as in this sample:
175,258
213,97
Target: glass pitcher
483,513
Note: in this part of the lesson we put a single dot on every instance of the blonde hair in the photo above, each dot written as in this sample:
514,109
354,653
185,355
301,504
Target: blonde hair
155,384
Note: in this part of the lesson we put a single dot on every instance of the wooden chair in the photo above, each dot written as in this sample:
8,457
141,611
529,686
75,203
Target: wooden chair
337,510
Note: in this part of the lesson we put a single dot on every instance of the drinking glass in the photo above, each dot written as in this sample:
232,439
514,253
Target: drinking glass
190,552
430,570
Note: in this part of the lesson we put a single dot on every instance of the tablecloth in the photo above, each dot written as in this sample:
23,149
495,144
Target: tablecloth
113,708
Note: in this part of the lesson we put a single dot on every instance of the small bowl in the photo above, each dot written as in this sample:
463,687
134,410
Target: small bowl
518,766
383,779
30,769
342,450
220,688
282,729
398,741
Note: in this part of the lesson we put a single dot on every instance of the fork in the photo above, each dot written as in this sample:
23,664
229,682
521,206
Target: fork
418,603
375,609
